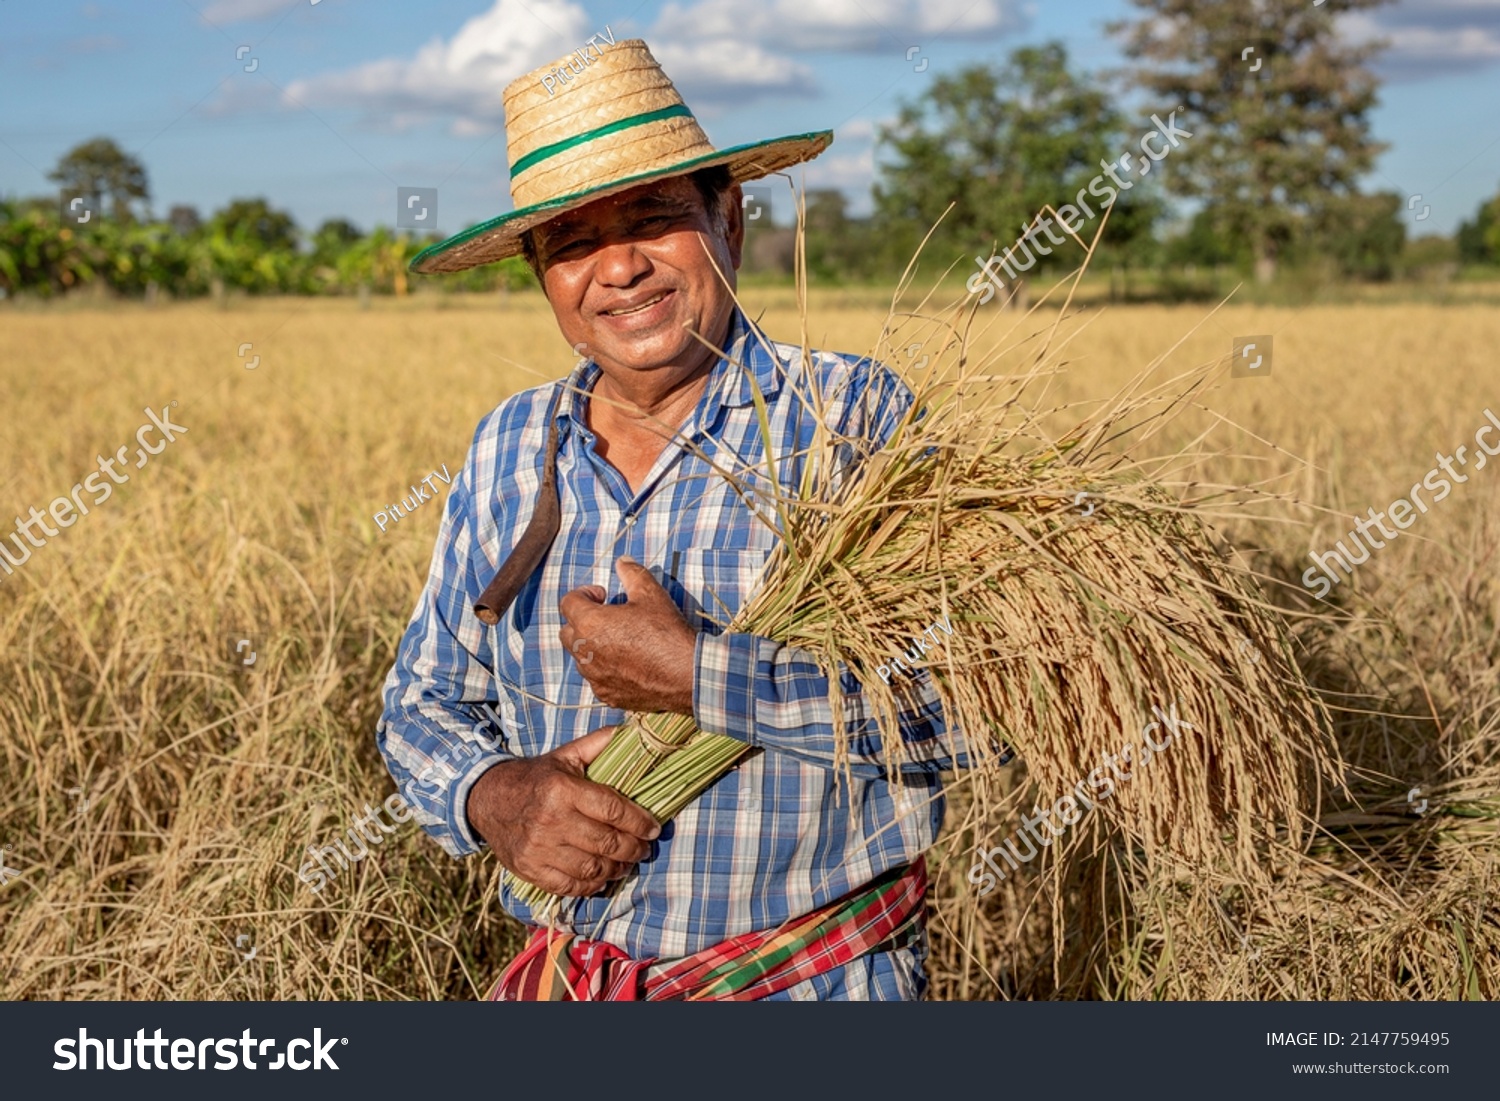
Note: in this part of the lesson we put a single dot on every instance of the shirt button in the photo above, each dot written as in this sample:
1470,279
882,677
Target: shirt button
629,519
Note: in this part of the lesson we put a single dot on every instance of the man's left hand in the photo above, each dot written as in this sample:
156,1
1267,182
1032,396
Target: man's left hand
638,655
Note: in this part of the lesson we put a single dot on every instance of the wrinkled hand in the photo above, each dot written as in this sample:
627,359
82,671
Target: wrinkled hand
553,827
637,655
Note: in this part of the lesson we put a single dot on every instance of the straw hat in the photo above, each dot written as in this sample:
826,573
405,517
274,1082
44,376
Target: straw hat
615,122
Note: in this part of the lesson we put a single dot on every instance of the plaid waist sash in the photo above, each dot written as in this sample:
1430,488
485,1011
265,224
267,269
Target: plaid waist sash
562,967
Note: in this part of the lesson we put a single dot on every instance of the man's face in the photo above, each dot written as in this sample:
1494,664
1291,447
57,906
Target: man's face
628,274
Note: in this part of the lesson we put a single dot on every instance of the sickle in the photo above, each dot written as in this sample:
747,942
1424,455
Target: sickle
523,561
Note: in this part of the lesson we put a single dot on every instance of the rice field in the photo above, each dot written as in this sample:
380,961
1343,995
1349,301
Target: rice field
161,792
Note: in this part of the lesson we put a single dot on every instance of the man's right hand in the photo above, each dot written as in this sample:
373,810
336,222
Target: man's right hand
553,827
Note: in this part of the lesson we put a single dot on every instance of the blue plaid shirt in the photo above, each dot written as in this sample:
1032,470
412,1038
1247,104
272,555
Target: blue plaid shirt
781,834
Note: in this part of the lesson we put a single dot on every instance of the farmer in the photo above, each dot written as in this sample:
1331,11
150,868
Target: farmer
618,552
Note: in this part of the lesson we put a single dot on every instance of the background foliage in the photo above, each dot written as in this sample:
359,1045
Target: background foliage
1268,187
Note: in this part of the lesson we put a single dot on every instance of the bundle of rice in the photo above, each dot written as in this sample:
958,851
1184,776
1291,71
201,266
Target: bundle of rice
1081,606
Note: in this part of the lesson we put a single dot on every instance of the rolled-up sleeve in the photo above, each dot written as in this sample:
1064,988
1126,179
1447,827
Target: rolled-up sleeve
438,733
768,694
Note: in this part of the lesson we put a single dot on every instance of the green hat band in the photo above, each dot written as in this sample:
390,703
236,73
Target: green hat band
536,156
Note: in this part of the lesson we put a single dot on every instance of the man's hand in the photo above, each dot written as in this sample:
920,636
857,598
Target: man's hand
555,828
637,655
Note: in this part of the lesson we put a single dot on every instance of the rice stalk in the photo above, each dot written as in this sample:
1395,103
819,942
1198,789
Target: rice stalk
207,781
1069,633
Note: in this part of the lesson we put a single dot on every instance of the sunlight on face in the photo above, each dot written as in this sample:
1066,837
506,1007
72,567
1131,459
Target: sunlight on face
629,275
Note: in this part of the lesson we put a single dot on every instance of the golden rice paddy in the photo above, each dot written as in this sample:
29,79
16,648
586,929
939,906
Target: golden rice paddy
159,793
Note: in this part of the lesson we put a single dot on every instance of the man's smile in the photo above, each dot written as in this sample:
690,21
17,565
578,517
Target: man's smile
648,308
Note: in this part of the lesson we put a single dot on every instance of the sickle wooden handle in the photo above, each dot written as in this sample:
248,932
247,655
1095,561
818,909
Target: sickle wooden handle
537,539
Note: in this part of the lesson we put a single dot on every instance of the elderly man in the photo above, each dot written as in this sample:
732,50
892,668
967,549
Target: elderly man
621,554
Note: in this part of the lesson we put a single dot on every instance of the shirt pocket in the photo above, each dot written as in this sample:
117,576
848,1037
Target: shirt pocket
711,585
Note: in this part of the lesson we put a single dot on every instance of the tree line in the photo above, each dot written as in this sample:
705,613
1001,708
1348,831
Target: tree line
1278,108
94,233
1262,127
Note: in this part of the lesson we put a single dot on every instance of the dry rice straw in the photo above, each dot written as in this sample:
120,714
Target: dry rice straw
1071,624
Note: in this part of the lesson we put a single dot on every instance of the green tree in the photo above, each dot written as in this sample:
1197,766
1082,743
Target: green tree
335,235
184,220
98,170
330,242
1479,240
839,248
252,247
377,261
1363,234
1203,243
130,257
1002,144
37,252
1429,256
1281,103
255,218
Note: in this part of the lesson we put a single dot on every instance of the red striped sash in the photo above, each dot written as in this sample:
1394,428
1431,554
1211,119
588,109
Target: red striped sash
562,967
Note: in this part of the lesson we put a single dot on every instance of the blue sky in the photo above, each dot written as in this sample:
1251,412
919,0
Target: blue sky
346,101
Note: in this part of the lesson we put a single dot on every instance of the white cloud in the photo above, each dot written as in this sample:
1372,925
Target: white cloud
462,79
726,72
848,165
845,26
859,130
849,172
1431,38
721,54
